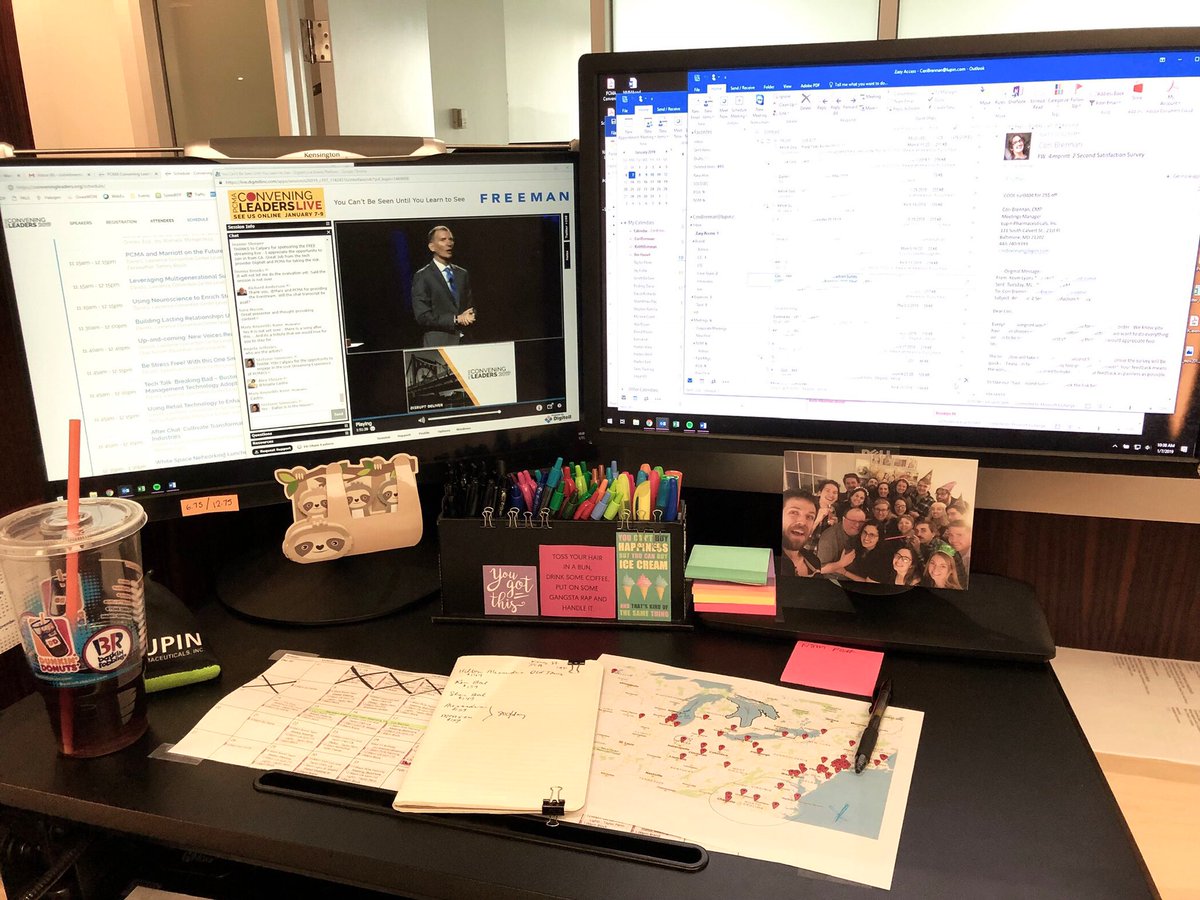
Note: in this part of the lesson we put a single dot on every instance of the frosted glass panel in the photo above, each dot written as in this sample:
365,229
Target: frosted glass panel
677,24
934,18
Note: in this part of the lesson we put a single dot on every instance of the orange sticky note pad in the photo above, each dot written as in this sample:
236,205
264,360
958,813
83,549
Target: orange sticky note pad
833,668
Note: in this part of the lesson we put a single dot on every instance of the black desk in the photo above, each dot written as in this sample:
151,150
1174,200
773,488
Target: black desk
1007,799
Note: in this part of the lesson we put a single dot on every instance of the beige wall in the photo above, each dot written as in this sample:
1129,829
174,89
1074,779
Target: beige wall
475,82
544,40
90,84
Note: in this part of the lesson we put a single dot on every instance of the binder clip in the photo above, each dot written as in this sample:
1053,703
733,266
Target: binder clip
512,518
487,517
553,806
544,518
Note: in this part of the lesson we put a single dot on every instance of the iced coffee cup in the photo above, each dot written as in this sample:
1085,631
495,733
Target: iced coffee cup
77,591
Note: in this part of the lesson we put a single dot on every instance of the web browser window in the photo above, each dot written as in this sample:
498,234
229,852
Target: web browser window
196,313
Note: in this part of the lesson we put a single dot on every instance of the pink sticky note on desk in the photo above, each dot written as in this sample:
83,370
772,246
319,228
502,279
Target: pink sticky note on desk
832,668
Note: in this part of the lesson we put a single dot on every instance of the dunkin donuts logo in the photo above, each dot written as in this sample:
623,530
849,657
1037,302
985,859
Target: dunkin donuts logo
52,643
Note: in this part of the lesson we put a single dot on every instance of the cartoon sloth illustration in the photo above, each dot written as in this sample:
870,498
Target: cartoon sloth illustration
388,495
316,540
358,496
313,503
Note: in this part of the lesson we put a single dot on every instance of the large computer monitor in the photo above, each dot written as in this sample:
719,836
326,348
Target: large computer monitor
982,246
210,323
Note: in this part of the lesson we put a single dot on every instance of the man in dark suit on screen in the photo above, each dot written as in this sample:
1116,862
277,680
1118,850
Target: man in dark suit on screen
441,293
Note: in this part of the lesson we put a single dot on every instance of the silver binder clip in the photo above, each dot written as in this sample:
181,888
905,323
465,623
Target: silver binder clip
544,518
487,517
554,806
528,517
512,518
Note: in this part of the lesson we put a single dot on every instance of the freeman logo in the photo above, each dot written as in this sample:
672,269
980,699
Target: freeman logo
527,197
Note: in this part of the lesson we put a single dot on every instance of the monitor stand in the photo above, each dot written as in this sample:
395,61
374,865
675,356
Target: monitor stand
996,617
267,586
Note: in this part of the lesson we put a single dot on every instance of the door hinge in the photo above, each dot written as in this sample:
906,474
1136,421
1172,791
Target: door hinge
318,40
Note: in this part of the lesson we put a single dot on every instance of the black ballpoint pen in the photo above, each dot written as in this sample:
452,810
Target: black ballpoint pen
866,744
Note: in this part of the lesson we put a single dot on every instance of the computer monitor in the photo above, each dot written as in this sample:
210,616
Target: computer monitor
980,246
212,323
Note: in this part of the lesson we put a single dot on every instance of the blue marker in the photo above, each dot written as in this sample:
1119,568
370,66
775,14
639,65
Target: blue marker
598,509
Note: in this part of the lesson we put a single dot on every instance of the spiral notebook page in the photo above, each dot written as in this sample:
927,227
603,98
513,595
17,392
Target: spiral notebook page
508,733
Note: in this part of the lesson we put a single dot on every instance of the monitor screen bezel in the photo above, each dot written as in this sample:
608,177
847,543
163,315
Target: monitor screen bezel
252,480
946,441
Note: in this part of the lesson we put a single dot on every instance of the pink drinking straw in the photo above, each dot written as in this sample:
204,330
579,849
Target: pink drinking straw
74,601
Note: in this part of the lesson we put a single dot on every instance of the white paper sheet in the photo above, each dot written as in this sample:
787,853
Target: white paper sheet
750,768
9,636
1140,706
349,721
508,733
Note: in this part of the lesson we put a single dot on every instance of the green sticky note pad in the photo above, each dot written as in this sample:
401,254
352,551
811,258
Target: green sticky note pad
744,565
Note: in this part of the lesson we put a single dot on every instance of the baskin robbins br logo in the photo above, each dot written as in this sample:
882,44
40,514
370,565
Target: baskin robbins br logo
108,648
276,203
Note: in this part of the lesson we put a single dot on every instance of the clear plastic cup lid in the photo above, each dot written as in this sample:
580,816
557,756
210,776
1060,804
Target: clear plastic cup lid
43,530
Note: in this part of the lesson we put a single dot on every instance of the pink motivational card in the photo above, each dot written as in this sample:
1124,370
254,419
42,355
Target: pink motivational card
510,590
578,581
832,668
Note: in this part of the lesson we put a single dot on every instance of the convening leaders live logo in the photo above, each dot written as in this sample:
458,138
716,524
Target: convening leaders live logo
277,203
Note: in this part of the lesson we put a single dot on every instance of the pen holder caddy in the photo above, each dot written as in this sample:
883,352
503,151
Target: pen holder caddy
562,572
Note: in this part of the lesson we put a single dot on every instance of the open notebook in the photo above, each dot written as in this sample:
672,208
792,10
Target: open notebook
510,734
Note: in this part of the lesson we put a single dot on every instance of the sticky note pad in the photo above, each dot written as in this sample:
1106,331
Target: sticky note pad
833,668
744,565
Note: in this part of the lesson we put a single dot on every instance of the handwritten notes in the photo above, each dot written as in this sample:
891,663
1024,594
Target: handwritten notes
199,506
506,734
832,668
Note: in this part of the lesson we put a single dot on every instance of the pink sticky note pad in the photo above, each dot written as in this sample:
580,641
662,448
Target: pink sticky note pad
737,609
832,668
578,581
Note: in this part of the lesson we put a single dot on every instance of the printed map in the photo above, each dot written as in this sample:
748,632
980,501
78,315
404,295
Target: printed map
750,768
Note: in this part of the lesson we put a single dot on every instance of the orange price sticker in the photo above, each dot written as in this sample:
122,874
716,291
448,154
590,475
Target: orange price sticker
198,506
